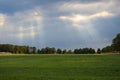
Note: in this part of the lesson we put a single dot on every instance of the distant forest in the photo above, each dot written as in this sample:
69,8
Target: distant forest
17,49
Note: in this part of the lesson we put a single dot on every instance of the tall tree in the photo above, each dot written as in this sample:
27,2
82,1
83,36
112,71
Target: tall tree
116,43
53,50
107,49
69,52
34,50
43,51
98,51
38,51
64,51
59,51
76,51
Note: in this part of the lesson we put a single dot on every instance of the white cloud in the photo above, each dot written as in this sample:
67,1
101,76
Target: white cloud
22,24
103,14
78,19
2,19
90,7
29,16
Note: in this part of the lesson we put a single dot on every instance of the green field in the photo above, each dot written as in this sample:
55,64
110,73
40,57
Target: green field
60,67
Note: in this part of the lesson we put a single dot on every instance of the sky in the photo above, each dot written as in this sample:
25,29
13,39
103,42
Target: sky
65,24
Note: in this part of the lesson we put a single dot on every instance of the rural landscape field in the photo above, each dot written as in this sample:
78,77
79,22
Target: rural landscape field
59,39
60,67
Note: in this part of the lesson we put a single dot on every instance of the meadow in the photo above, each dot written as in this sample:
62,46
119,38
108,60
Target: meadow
60,67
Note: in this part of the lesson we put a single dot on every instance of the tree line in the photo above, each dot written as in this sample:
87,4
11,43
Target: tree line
17,49
114,47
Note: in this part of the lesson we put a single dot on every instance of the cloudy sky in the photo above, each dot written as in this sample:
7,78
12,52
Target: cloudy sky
66,24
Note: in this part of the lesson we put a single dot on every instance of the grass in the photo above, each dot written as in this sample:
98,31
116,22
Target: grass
60,67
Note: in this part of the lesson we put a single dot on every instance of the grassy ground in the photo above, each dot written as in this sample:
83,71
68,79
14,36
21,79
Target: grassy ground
60,67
